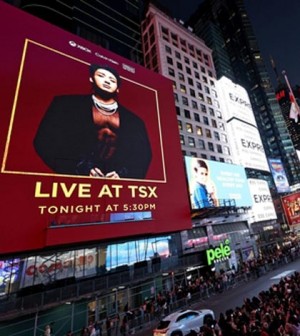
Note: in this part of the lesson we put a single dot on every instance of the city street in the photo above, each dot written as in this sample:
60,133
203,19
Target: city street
234,297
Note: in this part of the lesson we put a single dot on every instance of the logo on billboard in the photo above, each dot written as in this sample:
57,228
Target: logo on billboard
219,253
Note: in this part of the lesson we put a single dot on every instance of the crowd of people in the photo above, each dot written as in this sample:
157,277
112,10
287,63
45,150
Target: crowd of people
275,312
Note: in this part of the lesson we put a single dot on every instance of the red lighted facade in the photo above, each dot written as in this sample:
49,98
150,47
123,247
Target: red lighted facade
291,207
42,207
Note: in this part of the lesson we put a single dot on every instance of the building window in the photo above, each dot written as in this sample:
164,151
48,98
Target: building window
189,128
224,138
206,90
219,114
168,49
219,149
177,55
182,88
221,126
191,142
217,135
214,93
190,81
197,117
216,103
192,93
187,114
176,97
203,70
214,123
200,96
195,66
209,101
165,30
179,66
201,144
205,120
193,154
208,133
187,61
203,108
226,150
211,146
211,112
188,70
199,130
180,125
174,85
204,156
177,110
169,60
174,37
199,86
195,105
181,76
197,75
185,101
171,72
204,79
183,43
182,139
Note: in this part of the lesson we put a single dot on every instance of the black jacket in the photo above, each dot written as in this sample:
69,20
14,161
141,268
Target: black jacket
66,140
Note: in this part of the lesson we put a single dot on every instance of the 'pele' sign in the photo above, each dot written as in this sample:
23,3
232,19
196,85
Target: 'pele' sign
221,252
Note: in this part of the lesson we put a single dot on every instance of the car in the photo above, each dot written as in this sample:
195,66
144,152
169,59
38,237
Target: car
181,323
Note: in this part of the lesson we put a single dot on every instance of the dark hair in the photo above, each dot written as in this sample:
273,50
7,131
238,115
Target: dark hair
201,164
95,67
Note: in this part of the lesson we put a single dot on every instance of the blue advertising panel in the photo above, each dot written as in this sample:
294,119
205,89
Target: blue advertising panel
216,184
279,176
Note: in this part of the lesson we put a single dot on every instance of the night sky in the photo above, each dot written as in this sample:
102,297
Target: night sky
276,24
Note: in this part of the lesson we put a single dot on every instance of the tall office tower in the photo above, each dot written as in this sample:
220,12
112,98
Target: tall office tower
114,25
226,28
173,51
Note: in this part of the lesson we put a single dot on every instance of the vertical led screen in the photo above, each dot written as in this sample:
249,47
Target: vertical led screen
247,148
291,207
85,134
279,176
216,184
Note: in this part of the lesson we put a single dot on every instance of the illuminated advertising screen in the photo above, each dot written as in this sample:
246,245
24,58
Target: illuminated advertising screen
247,147
85,135
216,184
279,176
235,101
291,207
263,206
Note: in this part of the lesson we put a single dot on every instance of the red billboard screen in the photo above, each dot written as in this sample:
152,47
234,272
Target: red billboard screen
88,142
291,207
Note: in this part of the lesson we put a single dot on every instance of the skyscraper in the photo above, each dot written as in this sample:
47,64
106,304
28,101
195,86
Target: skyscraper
226,28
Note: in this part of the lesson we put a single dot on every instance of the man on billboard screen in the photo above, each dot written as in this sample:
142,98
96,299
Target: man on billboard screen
94,135
204,193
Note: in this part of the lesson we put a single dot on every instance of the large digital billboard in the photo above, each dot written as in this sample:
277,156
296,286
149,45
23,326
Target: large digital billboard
235,101
279,175
245,141
216,184
85,135
246,145
291,207
263,206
